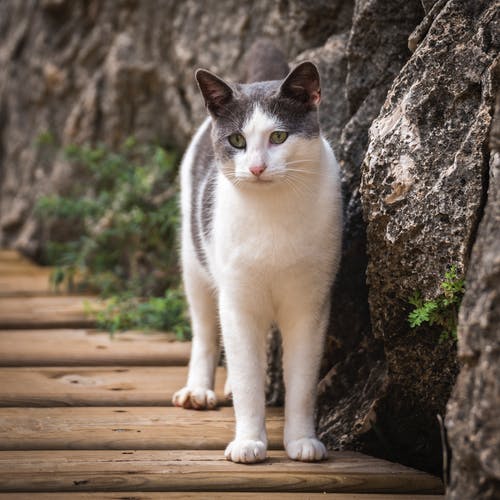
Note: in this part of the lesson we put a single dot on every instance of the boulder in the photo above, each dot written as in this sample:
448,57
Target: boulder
423,189
79,72
473,413
354,368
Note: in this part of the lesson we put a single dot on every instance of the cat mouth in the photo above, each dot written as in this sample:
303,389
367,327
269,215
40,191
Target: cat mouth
256,180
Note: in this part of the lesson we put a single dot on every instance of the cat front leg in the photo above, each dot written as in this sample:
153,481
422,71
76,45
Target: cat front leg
244,331
303,336
198,392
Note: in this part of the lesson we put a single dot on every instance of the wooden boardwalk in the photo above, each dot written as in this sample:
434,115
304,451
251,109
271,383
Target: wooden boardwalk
87,416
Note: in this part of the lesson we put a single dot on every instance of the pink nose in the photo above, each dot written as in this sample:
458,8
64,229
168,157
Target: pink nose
257,170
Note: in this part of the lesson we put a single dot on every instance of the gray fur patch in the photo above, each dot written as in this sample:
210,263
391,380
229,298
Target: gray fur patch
295,117
203,179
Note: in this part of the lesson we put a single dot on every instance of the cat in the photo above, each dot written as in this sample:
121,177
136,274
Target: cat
260,246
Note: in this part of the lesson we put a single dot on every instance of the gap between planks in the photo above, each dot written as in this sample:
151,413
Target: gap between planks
202,470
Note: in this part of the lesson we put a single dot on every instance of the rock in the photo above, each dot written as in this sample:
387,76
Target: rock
423,189
473,413
103,71
354,370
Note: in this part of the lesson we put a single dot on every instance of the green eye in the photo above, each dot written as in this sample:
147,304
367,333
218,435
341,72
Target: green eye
237,141
278,137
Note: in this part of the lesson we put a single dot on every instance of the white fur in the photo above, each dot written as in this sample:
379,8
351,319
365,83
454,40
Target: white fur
272,257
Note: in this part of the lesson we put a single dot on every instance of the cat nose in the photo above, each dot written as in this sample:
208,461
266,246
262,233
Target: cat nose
257,170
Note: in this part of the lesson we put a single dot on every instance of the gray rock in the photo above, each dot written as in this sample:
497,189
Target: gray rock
473,413
103,71
423,191
354,367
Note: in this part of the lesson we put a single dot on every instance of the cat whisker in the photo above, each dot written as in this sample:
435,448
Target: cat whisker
299,161
300,171
299,183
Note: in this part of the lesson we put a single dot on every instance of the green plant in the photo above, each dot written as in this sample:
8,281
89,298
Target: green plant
127,312
115,232
442,310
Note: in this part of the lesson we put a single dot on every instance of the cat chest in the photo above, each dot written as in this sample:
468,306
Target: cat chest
249,243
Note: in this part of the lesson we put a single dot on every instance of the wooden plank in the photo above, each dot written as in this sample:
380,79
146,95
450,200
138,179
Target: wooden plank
200,495
65,347
94,386
12,256
202,470
114,428
19,276
24,281
46,312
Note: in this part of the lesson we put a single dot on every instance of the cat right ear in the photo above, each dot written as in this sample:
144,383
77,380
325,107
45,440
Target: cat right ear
216,92
303,85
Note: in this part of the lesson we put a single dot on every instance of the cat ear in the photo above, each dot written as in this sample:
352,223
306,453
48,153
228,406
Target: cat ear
303,84
216,92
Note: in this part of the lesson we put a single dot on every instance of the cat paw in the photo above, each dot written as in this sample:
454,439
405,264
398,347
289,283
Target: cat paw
196,399
306,450
245,451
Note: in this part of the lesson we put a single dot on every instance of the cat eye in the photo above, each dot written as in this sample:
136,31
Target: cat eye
237,141
278,137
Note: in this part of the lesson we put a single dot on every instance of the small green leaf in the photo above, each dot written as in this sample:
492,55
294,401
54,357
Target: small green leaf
443,310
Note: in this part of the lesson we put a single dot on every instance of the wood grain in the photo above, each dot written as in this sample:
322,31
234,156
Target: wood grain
7,255
19,276
121,428
204,495
46,312
202,470
63,347
85,420
94,386
17,280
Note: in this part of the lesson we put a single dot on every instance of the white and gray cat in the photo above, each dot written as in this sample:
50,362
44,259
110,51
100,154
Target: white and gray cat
261,237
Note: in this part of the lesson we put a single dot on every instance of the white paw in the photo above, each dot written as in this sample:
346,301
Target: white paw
197,398
306,450
245,451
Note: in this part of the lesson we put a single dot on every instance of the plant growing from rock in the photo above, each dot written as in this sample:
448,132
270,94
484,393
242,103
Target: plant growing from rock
442,310
118,236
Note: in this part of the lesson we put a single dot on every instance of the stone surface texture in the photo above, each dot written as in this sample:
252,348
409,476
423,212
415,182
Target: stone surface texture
407,100
473,414
423,190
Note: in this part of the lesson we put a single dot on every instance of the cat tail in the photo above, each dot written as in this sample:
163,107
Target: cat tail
264,61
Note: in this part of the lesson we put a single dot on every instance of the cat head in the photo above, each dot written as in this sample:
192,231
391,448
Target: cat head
264,132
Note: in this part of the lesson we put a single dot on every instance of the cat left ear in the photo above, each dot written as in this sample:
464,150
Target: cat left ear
216,92
303,84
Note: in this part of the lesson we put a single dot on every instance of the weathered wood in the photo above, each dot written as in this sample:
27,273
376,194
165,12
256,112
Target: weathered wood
201,470
47,312
12,256
94,386
121,428
21,280
201,495
122,413
65,347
